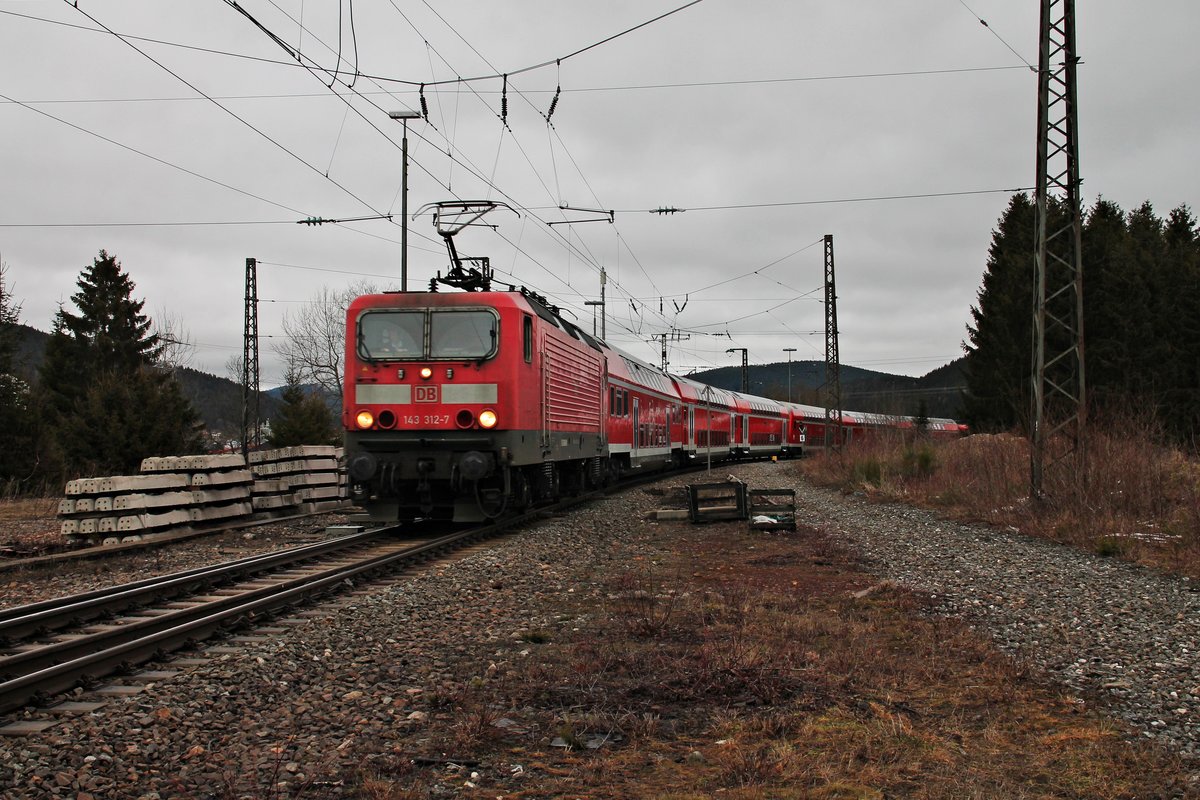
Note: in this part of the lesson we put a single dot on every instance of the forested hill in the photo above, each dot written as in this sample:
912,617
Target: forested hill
862,389
217,400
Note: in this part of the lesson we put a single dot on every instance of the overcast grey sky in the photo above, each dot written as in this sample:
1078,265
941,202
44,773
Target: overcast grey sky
196,141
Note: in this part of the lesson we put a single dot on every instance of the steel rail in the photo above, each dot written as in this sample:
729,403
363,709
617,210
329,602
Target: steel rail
149,541
19,622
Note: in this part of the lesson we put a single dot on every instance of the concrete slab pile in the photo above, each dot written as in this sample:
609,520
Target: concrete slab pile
170,494
176,493
304,478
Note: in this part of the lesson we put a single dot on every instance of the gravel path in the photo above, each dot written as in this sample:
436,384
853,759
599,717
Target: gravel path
1103,627
314,705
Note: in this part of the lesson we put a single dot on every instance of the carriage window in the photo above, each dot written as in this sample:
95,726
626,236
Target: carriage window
527,335
462,334
391,335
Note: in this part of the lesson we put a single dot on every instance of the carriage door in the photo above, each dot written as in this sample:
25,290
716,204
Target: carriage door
691,428
637,428
746,431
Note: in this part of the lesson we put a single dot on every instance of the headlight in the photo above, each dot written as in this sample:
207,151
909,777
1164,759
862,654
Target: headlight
487,419
426,373
364,420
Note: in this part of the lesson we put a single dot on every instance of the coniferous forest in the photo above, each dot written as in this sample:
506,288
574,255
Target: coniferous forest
1141,324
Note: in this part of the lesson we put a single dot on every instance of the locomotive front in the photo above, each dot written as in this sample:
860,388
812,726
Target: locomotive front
432,405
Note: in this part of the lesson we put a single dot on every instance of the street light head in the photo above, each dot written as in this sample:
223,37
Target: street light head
404,114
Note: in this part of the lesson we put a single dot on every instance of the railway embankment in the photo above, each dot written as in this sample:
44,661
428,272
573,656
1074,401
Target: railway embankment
876,652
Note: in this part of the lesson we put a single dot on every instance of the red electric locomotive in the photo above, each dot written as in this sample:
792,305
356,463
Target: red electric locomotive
463,404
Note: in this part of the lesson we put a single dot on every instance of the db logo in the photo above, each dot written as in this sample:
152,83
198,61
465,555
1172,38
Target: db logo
425,394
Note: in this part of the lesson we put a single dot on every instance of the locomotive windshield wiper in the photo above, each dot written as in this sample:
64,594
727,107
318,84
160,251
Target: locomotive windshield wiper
362,344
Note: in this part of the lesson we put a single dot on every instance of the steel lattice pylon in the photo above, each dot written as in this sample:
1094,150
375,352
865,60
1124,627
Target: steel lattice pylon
833,368
250,376
1059,391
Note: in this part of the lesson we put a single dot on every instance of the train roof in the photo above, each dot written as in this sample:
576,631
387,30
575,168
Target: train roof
702,393
762,404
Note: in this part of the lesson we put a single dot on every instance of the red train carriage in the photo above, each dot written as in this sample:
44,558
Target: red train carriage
708,419
644,412
462,404
762,426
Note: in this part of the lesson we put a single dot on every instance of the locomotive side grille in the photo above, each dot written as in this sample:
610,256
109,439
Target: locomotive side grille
573,386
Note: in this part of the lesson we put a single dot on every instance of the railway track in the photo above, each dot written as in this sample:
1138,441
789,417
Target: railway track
53,646
50,559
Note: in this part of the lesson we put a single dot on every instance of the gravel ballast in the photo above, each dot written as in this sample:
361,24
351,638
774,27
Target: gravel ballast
320,703
1101,626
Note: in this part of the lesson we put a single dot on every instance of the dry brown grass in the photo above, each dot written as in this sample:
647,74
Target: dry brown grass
754,671
28,508
1133,499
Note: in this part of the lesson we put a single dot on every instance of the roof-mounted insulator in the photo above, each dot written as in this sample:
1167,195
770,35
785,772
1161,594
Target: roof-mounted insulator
504,103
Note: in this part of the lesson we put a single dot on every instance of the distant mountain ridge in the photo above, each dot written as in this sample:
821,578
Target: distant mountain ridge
862,389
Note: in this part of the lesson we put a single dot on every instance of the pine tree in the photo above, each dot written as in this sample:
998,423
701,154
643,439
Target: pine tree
124,417
999,352
109,405
1181,272
302,419
1116,308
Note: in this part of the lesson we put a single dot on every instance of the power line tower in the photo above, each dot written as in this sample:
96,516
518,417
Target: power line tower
1059,391
675,336
833,368
250,376
745,367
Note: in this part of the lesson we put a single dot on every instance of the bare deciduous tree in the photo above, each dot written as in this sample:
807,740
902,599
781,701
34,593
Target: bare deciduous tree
178,349
235,369
315,337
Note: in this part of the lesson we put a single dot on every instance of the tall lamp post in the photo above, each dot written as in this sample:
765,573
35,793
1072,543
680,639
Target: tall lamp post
404,116
789,351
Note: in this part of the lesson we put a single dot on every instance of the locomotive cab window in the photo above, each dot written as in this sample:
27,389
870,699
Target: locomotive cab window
527,337
391,335
462,334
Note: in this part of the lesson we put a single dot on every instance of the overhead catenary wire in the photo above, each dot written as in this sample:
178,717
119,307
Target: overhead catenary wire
713,208
1000,38
588,257
583,244
229,112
